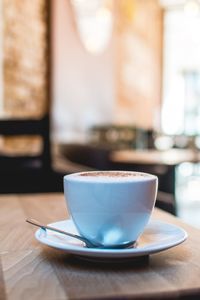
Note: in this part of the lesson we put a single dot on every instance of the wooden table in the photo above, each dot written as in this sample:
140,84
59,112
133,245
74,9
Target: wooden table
171,157
30,270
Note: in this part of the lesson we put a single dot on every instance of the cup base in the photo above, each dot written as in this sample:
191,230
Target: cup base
126,245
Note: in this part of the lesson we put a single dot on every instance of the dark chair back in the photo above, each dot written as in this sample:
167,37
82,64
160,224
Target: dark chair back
27,173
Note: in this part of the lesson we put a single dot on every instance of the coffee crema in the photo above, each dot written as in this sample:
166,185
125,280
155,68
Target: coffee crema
113,174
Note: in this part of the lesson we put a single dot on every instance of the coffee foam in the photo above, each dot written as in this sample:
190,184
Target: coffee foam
110,176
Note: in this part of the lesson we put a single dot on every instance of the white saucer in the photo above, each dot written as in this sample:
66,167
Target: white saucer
158,236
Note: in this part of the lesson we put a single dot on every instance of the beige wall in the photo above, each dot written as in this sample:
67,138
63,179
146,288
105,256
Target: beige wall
139,60
1,57
24,65
89,89
83,84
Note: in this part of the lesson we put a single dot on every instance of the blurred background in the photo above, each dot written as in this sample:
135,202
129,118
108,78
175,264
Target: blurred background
101,84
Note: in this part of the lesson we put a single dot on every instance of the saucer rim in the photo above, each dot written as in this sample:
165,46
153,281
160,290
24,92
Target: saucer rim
151,248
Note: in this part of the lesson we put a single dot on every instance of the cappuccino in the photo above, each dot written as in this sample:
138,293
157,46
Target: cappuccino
110,208
111,175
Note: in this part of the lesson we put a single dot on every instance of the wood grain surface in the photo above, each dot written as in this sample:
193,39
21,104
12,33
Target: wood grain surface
30,270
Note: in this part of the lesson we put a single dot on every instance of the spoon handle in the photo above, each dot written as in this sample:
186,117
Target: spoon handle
36,223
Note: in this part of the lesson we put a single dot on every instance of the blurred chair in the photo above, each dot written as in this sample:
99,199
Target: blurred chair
121,137
28,173
87,156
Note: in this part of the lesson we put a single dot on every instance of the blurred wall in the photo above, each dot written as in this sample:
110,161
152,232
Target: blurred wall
83,84
1,56
24,51
139,61
123,84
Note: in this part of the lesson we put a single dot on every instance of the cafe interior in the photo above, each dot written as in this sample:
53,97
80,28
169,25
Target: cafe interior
101,85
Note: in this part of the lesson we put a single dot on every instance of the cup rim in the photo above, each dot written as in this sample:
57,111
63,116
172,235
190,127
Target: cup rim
105,179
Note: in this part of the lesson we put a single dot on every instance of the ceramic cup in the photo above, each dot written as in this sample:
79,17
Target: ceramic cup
110,207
